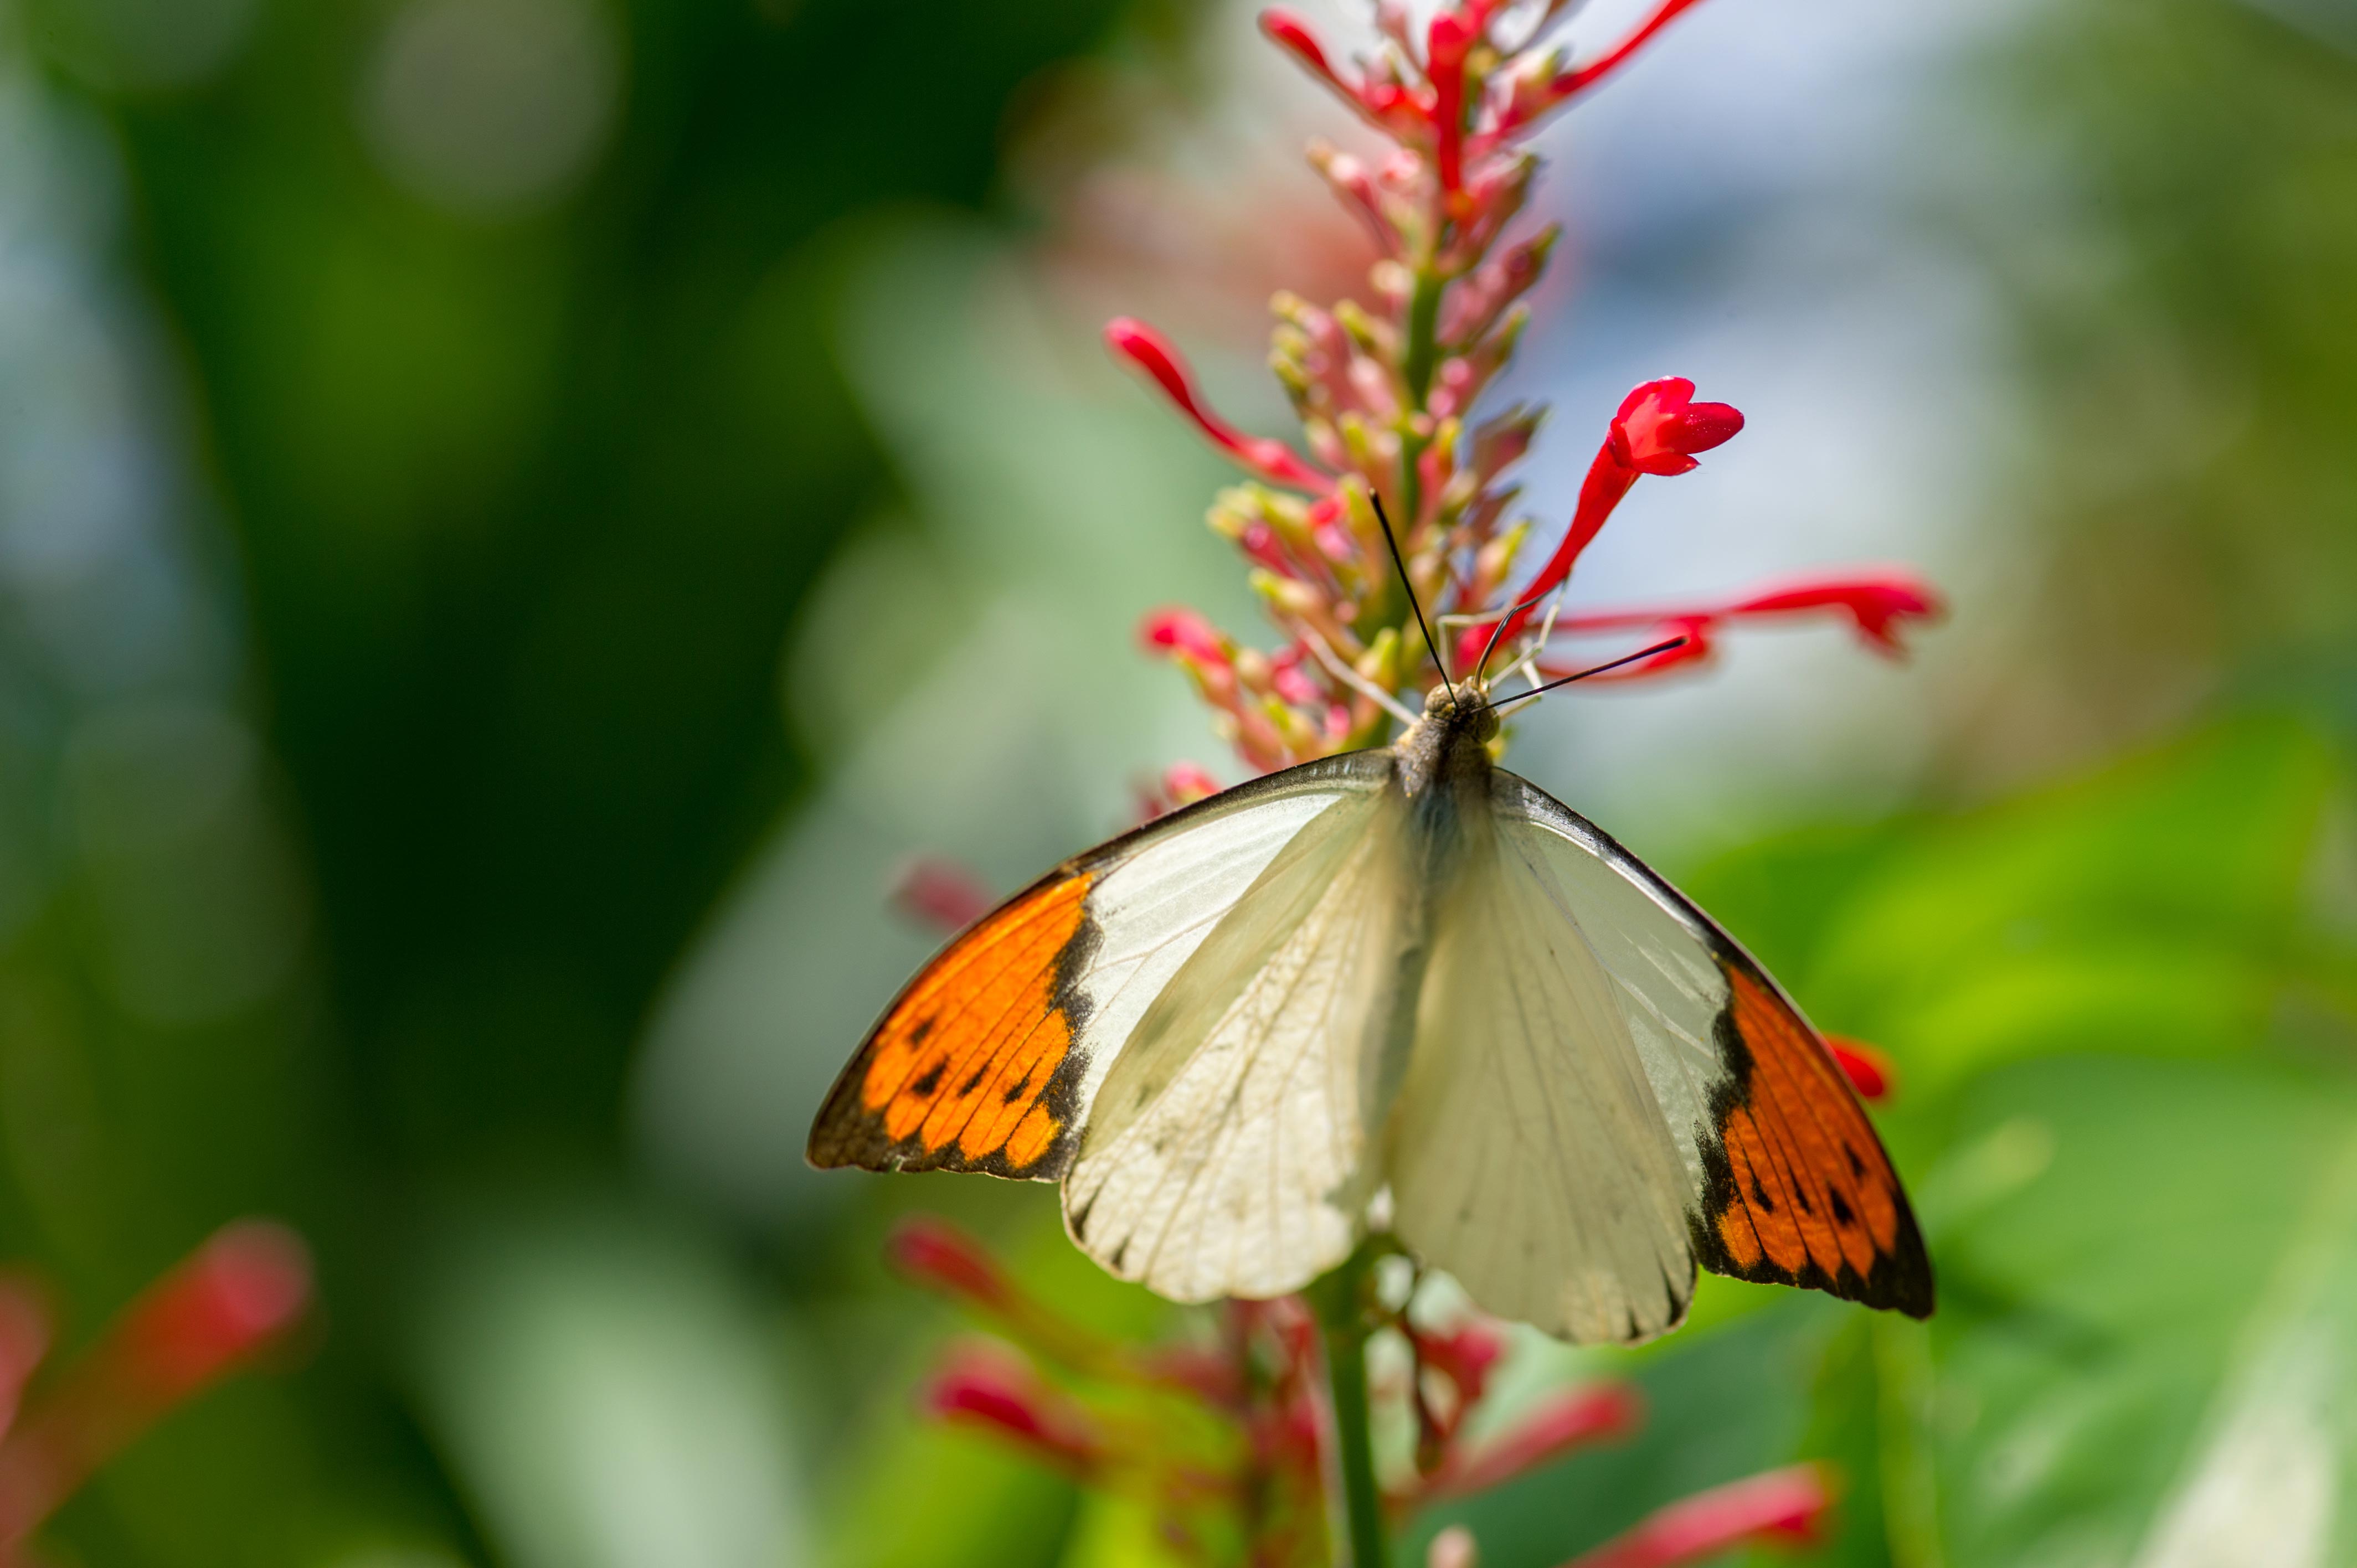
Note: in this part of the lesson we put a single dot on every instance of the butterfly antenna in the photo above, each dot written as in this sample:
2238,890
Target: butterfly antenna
1438,658
1520,697
1499,630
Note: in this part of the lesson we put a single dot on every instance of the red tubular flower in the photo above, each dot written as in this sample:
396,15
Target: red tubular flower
1575,82
236,1293
998,1392
1787,1506
241,1291
1660,427
1447,43
1878,604
1868,1069
1570,1420
1657,430
1265,456
934,891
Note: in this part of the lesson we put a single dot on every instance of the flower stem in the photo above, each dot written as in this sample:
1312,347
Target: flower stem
1340,1300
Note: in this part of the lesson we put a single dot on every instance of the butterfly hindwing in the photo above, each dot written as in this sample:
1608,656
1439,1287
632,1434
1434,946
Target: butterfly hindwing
989,1058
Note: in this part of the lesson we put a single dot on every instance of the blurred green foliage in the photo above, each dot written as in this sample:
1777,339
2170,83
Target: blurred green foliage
352,900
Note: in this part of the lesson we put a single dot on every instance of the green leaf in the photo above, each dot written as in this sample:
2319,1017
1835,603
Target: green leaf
2148,1347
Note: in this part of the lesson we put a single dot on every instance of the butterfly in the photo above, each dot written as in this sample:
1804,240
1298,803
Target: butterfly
1404,989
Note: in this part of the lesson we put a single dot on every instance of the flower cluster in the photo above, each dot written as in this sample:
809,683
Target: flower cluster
1386,393
1226,1440
238,1293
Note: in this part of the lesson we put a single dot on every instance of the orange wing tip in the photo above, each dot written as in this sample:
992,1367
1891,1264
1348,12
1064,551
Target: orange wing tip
1799,1190
973,1068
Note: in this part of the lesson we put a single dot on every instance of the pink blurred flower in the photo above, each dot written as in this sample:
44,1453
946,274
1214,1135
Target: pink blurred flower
1788,1506
936,891
983,1386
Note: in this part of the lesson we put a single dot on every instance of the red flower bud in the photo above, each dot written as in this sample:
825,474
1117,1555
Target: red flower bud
997,1391
1660,427
1447,43
1569,1420
1185,784
1788,1506
1464,1356
1868,1069
941,1257
1288,32
1149,351
937,892
1184,632
245,1286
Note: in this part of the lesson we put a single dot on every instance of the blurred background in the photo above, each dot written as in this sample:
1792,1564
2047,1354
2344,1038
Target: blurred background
517,516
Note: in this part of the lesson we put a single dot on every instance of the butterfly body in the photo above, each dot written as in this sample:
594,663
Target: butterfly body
1403,986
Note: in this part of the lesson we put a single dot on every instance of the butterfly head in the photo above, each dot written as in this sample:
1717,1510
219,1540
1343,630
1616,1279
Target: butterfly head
1461,714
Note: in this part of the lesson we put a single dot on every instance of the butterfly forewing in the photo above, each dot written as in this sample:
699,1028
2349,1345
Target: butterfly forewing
990,1057
1530,1157
1226,1153
1787,1181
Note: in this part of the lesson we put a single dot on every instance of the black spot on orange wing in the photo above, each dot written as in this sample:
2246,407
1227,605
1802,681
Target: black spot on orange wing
1799,1190
972,1068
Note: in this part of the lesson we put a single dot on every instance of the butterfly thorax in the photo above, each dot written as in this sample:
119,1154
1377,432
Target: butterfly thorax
1449,744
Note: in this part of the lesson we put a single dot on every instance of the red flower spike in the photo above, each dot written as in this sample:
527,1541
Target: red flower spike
1785,1506
938,892
1660,427
1570,1420
240,1290
1266,456
1868,1069
1000,1392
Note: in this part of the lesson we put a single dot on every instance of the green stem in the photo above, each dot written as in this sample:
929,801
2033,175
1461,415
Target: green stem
1422,353
1340,1303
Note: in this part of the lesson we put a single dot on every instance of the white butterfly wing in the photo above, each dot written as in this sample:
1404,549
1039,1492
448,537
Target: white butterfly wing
1227,1153
990,1059
1782,1177
1530,1156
